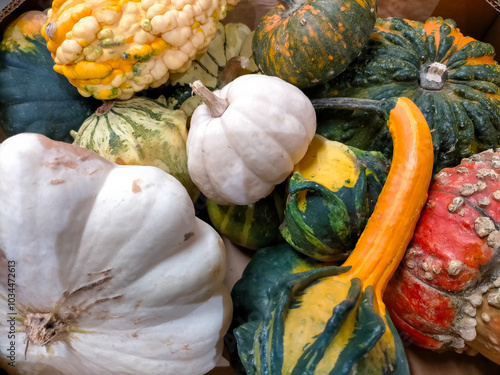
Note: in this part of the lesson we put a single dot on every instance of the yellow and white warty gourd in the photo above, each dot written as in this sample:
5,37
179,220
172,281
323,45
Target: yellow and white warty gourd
246,138
100,267
111,49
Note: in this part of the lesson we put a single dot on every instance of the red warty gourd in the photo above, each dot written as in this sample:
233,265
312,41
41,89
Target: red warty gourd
446,292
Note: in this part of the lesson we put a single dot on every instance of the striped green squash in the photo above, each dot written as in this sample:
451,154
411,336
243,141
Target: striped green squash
139,131
272,285
252,226
331,195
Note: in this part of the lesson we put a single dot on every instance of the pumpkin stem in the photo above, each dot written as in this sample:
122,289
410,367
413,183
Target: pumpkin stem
291,5
105,107
433,76
349,103
215,104
235,67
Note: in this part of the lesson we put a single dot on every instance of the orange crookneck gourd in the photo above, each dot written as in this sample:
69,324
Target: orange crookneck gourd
310,318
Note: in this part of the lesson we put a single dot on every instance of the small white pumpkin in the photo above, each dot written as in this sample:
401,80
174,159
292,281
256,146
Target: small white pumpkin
105,267
246,138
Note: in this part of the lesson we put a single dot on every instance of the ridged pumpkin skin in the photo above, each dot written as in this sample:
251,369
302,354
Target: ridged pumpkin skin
446,292
453,79
306,42
34,98
139,131
331,195
251,226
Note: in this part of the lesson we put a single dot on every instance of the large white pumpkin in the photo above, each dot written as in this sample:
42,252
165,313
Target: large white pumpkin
105,268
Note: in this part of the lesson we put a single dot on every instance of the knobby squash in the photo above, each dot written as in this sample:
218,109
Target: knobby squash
331,320
113,49
453,79
446,292
108,277
34,98
331,194
307,42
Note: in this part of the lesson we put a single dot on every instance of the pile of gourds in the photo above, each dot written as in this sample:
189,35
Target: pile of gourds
337,147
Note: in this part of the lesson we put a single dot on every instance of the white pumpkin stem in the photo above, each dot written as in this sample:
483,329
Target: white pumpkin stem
215,104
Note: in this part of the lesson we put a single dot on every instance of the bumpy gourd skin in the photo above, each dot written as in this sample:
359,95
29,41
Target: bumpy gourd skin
112,50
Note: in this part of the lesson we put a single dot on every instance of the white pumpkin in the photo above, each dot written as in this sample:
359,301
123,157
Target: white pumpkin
246,138
105,268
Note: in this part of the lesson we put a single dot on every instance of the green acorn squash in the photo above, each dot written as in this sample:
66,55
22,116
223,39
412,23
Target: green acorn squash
252,226
331,195
453,79
33,97
307,42
139,131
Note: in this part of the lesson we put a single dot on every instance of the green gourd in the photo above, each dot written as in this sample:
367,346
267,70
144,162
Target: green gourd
33,97
252,226
139,131
331,194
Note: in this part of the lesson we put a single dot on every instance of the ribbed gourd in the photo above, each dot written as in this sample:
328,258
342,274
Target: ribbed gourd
331,194
452,78
139,131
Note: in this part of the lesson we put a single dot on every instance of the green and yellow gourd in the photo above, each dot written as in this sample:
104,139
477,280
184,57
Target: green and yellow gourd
33,97
139,131
252,226
306,317
229,54
331,195
453,79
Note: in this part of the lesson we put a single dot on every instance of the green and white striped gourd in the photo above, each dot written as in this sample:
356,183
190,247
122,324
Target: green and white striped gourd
139,131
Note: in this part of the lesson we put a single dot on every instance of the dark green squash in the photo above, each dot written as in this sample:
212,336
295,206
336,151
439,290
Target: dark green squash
306,42
252,226
33,97
453,79
331,195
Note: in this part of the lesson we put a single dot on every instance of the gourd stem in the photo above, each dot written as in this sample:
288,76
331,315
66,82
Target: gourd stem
236,66
349,103
292,5
390,228
215,104
105,107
